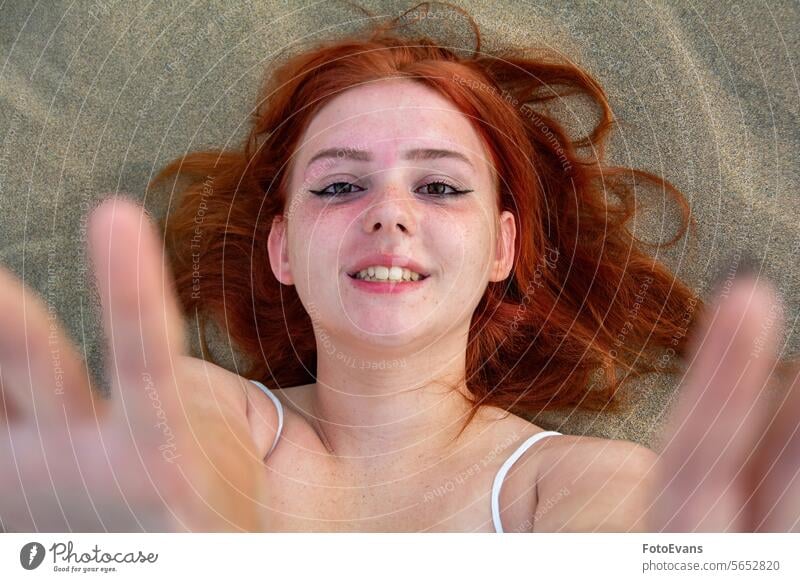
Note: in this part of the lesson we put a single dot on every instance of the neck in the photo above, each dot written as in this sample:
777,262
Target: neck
381,407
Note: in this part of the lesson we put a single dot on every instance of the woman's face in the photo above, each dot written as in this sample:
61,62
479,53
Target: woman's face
388,162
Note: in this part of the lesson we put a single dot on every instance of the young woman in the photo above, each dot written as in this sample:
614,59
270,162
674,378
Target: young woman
418,256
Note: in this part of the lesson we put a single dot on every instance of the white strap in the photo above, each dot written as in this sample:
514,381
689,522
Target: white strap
278,407
501,474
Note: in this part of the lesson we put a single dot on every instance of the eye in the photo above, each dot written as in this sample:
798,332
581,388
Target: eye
338,189
441,187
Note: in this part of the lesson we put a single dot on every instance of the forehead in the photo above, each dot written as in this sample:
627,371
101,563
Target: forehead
385,115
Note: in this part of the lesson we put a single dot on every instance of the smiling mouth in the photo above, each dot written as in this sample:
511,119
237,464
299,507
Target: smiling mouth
374,279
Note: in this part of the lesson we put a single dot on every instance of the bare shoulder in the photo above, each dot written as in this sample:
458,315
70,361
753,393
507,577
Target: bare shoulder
222,390
212,384
594,484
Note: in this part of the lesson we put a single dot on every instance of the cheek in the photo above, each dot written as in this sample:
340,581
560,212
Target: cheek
461,242
316,244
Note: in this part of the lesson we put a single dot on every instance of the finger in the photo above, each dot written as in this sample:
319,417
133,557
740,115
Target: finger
146,341
716,420
41,372
8,412
774,501
141,318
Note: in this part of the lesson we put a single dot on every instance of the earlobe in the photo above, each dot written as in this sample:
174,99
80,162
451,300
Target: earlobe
277,245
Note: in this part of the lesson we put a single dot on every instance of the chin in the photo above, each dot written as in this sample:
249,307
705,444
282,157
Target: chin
388,335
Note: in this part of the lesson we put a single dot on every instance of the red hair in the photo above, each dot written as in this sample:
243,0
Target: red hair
583,303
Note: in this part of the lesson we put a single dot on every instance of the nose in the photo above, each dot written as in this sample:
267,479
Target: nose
390,210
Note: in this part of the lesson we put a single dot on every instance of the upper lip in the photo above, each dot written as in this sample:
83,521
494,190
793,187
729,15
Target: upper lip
387,261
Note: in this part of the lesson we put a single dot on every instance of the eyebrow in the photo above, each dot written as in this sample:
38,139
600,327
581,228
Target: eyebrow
415,154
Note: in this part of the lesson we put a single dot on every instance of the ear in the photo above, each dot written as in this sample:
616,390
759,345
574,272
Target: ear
504,252
277,245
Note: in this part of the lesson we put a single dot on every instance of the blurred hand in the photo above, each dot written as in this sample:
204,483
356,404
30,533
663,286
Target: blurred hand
149,458
731,461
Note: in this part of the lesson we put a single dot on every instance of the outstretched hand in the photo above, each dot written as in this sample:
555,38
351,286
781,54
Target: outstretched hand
145,460
731,458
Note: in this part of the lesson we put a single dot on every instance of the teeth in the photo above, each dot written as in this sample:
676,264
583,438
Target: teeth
381,273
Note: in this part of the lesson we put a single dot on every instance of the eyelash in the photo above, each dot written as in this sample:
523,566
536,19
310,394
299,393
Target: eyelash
456,191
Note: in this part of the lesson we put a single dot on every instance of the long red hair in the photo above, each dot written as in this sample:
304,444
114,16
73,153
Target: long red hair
584,309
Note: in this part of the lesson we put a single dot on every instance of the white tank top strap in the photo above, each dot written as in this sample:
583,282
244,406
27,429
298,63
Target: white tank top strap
501,474
278,407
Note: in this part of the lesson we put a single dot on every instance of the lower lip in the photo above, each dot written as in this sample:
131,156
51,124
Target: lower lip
375,287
